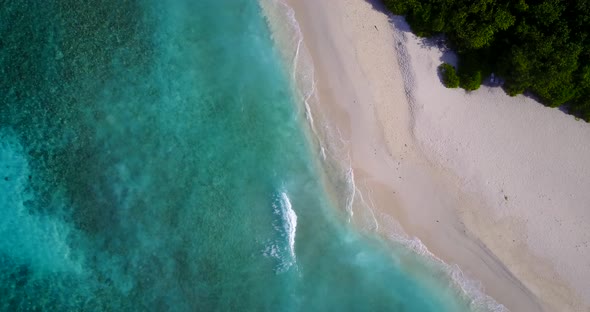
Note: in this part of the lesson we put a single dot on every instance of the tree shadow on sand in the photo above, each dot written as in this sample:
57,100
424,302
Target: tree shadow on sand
447,54
435,42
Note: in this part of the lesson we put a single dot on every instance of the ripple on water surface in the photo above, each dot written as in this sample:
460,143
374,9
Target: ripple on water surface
153,159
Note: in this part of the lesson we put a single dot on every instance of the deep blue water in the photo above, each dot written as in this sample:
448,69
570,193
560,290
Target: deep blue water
152,158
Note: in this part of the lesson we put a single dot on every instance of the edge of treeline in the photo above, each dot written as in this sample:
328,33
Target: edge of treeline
536,46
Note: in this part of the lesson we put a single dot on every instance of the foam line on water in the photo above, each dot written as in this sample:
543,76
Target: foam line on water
305,86
285,225
289,38
308,113
350,198
370,205
469,288
290,222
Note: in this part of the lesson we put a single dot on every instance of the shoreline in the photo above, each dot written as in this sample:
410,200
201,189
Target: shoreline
370,94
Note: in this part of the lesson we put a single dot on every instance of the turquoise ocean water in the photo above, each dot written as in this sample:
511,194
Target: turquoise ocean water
153,158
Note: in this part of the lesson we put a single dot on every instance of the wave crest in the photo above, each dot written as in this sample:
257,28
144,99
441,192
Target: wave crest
283,249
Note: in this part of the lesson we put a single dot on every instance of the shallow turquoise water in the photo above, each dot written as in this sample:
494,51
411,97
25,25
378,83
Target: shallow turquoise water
152,158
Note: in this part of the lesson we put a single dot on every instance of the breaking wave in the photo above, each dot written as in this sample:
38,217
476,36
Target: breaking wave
286,225
336,159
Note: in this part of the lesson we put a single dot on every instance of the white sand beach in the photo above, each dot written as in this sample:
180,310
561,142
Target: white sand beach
497,185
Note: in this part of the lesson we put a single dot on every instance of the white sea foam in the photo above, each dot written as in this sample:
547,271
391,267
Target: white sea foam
352,192
289,38
469,288
283,249
290,222
370,205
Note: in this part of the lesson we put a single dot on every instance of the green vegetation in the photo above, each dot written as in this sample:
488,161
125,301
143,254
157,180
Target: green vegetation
541,46
449,75
471,81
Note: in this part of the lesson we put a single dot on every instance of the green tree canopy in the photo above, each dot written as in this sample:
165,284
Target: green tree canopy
541,46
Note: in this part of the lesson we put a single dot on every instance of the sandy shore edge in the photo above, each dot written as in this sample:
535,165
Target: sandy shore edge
370,82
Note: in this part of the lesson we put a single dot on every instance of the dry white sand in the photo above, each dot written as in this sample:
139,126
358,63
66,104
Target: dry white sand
528,164
494,184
